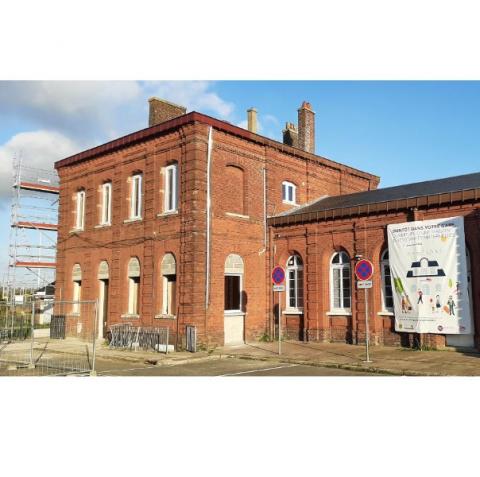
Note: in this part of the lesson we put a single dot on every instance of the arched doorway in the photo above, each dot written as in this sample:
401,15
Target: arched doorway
103,281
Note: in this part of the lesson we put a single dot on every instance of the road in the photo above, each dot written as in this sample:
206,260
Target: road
219,367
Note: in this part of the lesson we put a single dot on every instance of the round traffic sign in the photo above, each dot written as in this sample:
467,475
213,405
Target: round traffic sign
278,275
364,269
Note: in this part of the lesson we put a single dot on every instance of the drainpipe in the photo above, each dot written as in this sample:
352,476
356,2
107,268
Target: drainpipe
207,270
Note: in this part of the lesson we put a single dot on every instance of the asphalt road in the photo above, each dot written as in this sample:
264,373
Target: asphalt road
219,367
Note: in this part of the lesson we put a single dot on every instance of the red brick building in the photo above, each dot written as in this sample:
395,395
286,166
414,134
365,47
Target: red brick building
181,223
168,225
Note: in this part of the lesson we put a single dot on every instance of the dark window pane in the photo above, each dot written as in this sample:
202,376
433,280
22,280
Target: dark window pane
232,292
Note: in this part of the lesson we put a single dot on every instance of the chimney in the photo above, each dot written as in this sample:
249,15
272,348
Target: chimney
306,128
252,120
161,111
290,135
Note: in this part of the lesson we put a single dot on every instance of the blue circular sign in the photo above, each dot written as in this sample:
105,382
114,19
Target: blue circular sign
364,270
278,275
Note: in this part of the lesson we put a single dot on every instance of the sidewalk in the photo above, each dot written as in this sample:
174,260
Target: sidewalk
385,360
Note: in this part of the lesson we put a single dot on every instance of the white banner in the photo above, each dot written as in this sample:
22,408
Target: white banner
429,276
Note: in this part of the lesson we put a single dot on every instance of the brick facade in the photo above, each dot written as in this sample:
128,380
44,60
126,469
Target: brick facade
239,162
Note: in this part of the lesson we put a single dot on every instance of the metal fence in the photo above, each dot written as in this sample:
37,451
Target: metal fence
191,333
64,342
128,336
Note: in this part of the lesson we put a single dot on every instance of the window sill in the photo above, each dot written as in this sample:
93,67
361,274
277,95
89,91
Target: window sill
233,313
76,231
339,313
237,216
292,311
133,219
165,317
167,213
102,226
75,313
286,202
386,313
128,316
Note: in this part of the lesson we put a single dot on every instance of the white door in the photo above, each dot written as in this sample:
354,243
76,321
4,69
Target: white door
234,329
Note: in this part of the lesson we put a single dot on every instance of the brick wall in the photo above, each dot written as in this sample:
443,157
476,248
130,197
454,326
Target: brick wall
237,222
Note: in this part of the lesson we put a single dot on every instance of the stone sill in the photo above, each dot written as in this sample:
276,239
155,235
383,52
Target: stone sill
339,313
237,216
165,317
292,312
168,214
234,313
76,231
127,316
102,226
386,313
133,220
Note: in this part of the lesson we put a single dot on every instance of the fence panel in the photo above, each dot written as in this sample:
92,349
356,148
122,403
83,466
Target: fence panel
191,339
64,342
128,336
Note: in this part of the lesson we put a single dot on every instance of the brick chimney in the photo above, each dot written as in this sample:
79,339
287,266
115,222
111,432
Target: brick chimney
306,128
252,120
290,135
161,111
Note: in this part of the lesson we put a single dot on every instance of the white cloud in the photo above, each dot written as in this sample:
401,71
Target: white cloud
39,149
194,95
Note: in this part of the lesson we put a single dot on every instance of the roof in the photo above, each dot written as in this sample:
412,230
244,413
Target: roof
159,129
403,196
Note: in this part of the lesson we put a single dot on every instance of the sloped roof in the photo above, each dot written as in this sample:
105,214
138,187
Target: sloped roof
388,194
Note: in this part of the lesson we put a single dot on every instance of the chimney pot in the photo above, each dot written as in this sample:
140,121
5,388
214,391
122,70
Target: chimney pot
252,120
161,111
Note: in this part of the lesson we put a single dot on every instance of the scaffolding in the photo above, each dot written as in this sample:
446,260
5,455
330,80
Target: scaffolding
33,233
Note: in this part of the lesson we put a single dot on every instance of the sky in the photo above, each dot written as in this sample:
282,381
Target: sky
403,131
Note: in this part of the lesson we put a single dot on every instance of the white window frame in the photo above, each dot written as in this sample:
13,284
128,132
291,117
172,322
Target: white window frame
385,262
76,296
106,218
340,266
296,267
286,185
239,310
170,194
136,197
133,292
167,295
80,210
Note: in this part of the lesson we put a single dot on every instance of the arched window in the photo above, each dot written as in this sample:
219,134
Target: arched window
77,288
295,283
170,188
80,210
233,283
289,193
136,196
106,204
133,285
387,292
340,289
234,184
169,285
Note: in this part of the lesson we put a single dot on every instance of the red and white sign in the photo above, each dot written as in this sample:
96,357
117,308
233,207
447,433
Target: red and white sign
364,269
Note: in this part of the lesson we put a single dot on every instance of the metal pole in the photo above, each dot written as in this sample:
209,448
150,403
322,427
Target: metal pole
367,333
279,323
32,324
93,372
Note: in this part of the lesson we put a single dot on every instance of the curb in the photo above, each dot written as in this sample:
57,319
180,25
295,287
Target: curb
325,364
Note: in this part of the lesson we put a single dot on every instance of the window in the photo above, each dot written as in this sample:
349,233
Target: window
77,288
233,283
106,203
133,286
387,292
80,211
289,193
136,197
171,189
169,279
340,294
295,283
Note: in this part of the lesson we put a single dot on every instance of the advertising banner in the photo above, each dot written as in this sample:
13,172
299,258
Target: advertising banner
429,276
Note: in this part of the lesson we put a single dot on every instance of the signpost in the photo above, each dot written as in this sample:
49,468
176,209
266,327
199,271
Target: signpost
278,277
364,273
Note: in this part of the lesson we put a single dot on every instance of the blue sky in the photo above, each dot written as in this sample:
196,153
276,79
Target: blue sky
402,131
